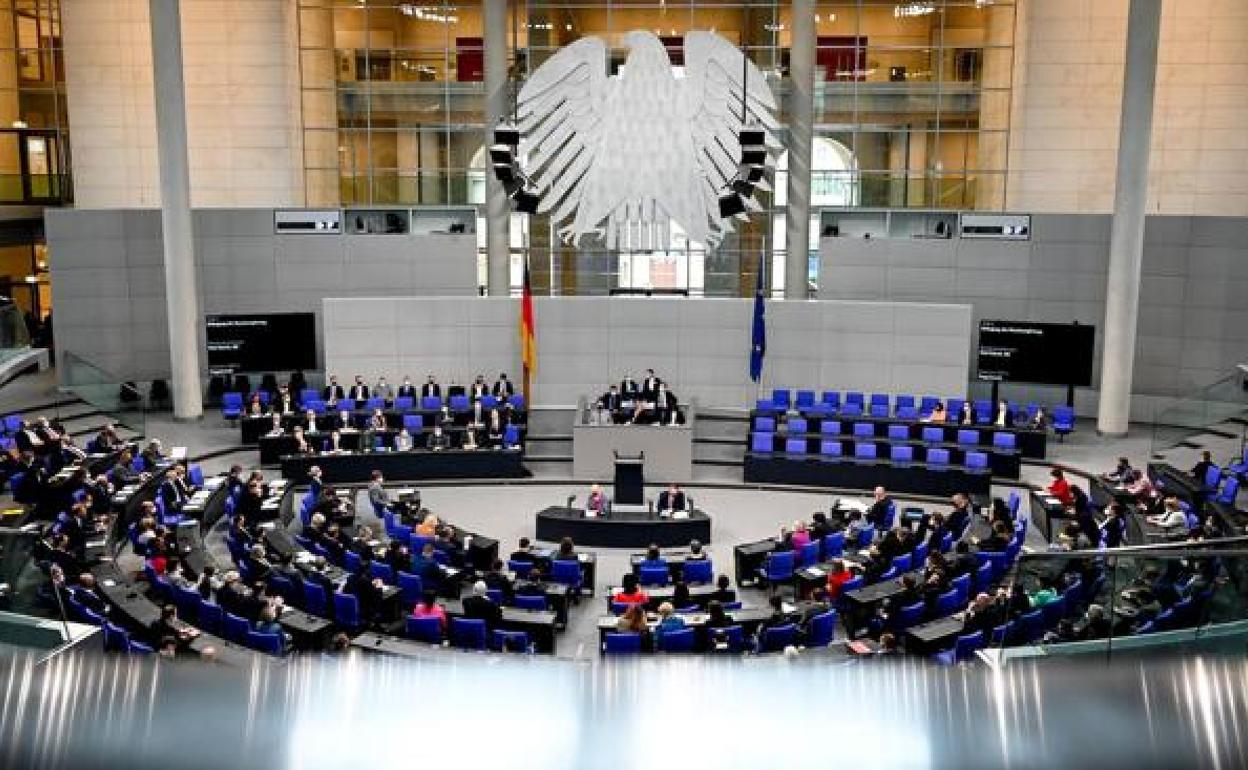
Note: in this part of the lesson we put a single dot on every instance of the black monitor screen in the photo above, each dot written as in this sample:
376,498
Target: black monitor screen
1048,354
270,342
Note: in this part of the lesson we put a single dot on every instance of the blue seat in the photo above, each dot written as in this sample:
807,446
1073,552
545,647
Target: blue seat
1004,441
948,603
878,410
352,562
273,644
431,403
851,409
902,563
865,450
1031,626
967,644
382,571
833,545
765,406
831,448
938,456
954,408
933,435
796,426
901,453
619,608
909,616
317,406
968,437
404,403
864,430
805,399
780,397
566,572
1230,489
511,436
414,423
521,568
976,461
503,641
808,554
411,586
1053,612
654,576
424,629
918,557
346,405
235,628
517,402
347,611
899,433
866,537
822,629
468,633
1001,633
765,424
830,427
622,644
187,601
680,640
460,404
698,571
879,399
210,617
374,403
13,422
983,577
795,446
907,413
831,400
489,402
777,568
961,585
983,411
1063,421
524,602
1213,477
763,442
231,408
776,638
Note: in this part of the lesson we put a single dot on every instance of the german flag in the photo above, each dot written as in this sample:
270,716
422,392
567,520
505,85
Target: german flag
528,331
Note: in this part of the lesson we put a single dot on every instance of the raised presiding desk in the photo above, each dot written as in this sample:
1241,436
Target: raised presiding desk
356,467
622,530
667,450
849,473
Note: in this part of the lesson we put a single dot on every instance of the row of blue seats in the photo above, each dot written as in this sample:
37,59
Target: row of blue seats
820,632
797,426
763,443
904,407
234,403
211,617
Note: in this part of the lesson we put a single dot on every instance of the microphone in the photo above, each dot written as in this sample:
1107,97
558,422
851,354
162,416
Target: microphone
571,499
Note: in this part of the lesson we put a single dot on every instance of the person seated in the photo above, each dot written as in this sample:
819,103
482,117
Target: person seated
359,391
284,402
877,514
447,541
1122,474
168,625
967,415
438,441
797,539
854,526
1172,519
597,504
666,407
566,551
1064,632
696,551
153,455
895,542
669,621
723,593
403,441
175,491
1005,415
1094,624
716,617
1060,488
367,591
1047,593
671,499
630,592
267,622
383,391
939,414
611,403
633,621
332,393
429,607
964,562
838,576
479,607
431,388
531,585
397,556
998,540
778,616
982,614
426,566
428,526
498,580
377,421
653,557
503,389
407,390
523,552
819,526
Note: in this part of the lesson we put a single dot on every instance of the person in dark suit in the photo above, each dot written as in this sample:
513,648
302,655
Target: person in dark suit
407,389
28,440
438,440
431,388
960,517
1199,470
333,392
383,390
478,388
672,499
877,514
497,579
612,402
284,402
312,423
366,589
175,490
650,385
967,416
523,552
1005,415
479,607
723,593
983,614
628,389
503,387
359,391
666,410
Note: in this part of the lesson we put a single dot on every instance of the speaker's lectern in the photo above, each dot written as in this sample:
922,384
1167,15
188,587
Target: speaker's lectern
629,479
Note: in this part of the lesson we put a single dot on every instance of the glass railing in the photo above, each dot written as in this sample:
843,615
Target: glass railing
120,402
1217,402
1144,601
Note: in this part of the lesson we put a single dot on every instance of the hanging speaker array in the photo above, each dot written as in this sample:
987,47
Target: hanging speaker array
739,196
503,158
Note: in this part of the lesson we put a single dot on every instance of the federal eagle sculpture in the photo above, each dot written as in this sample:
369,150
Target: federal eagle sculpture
615,158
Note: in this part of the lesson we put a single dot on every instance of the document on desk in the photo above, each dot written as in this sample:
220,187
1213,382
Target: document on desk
1052,501
582,557
816,571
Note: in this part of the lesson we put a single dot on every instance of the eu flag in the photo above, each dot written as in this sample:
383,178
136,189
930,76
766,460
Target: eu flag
758,342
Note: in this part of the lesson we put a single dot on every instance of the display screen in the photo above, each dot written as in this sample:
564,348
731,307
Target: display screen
261,343
1049,354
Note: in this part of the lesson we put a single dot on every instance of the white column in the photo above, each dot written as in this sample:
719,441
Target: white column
801,138
1126,242
181,294
497,206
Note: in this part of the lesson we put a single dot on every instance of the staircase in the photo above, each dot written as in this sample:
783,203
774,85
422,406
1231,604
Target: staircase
1213,418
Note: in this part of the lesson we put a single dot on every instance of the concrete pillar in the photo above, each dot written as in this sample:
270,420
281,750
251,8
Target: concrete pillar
801,139
181,294
497,206
1126,240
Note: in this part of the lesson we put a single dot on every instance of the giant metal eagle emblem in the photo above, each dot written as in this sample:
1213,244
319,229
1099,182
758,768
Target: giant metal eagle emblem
617,158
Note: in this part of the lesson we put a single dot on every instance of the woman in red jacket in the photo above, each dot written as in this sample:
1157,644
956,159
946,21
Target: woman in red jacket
1060,488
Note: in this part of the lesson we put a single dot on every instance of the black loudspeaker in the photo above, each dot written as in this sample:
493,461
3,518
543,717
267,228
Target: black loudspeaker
730,205
507,135
501,153
504,172
752,136
526,201
753,156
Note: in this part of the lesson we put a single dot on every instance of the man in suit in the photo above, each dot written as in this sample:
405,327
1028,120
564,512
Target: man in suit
628,389
383,390
479,607
671,499
333,392
478,389
407,389
665,409
431,388
503,387
649,385
960,517
310,422
359,391
28,440
334,442
1005,416
523,552
378,497
877,514
439,440
611,402
174,490
285,402
367,590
